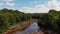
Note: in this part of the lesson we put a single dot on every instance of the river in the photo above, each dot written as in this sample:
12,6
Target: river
33,27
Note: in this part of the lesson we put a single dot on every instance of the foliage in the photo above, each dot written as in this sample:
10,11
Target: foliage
9,17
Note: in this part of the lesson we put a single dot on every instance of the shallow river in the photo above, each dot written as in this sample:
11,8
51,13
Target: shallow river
33,27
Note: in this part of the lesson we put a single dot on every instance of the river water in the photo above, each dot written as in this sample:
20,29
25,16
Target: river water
33,27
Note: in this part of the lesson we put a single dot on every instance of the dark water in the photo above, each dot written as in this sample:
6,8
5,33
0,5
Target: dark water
29,30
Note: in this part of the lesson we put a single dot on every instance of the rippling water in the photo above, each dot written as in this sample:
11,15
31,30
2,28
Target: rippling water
30,29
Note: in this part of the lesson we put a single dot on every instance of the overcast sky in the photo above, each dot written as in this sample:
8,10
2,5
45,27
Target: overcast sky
31,6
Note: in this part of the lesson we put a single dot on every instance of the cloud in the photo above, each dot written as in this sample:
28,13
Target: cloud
8,0
40,8
1,4
54,4
37,9
11,8
27,10
10,4
35,2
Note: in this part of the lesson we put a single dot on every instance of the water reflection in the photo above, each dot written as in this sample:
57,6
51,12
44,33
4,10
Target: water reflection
30,29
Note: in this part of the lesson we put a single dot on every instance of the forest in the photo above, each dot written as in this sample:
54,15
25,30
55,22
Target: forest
9,17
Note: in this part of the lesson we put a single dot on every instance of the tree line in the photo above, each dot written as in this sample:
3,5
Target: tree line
9,17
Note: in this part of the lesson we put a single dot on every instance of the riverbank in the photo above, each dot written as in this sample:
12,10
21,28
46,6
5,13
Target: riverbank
19,27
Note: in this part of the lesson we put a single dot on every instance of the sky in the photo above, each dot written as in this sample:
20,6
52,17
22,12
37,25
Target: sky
31,6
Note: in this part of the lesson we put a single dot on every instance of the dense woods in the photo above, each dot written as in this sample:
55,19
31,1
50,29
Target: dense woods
9,17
